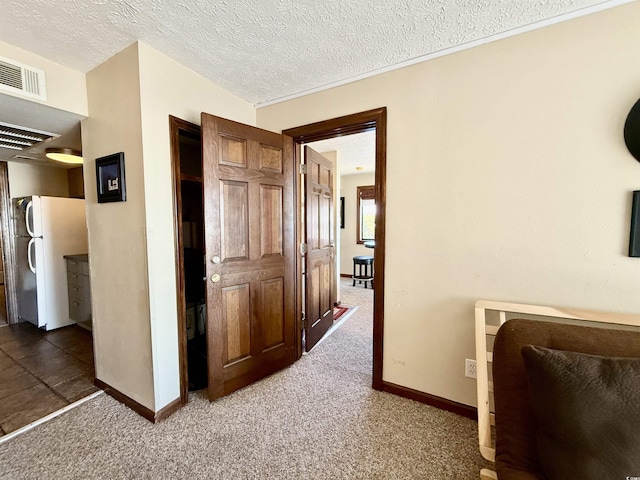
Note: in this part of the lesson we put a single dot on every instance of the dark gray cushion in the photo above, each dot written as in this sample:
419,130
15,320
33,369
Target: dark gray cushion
587,409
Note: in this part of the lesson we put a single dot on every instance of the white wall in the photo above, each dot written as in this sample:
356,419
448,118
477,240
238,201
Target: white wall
349,247
26,180
66,88
507,179
168,88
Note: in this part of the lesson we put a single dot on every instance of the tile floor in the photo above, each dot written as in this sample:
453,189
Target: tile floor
41,372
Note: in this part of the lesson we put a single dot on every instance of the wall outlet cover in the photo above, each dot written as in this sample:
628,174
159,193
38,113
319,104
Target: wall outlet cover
469,368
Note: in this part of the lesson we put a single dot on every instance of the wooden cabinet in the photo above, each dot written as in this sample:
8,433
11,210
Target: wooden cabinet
76,182
79,289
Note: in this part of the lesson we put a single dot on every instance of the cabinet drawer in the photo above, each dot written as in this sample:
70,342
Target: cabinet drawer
79,310
80,292
74,266
78,267
77,279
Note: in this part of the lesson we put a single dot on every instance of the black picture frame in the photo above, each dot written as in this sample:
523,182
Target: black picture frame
341,212
634,236
110,180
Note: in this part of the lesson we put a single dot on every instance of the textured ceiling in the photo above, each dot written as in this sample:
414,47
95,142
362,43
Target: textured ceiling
268,49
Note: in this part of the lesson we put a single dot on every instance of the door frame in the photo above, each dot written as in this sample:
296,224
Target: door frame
8,246
175,126
337,127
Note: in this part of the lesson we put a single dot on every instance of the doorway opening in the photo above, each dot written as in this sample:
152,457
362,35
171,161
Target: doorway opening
372,120
352,231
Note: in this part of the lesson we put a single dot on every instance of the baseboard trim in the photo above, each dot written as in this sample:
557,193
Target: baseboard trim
140,409
346,275
434,401
169,410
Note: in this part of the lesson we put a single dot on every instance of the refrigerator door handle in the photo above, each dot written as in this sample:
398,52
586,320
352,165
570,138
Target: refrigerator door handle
26,218
29,254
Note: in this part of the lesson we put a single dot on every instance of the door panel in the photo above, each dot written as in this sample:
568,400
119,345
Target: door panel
236,313
273,306
320,258
234,203
249,227
271,220
234,151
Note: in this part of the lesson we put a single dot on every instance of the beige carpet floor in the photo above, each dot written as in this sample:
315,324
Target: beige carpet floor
318,419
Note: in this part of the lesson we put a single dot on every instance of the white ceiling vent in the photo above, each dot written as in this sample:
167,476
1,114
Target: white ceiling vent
14,137
26,157
22,79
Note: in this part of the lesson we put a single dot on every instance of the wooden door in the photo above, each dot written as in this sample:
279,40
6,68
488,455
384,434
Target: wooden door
250,252
320,257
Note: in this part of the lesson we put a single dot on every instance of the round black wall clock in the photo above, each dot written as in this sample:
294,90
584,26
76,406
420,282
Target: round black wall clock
632,131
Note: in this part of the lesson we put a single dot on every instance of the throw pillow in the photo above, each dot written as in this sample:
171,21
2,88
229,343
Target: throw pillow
588,412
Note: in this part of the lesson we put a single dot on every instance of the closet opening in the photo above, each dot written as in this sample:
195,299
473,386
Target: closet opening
189,208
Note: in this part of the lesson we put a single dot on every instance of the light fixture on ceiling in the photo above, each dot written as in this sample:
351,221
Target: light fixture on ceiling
64,155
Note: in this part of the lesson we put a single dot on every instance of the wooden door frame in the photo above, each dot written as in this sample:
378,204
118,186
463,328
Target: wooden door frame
8,246
175,126
336,127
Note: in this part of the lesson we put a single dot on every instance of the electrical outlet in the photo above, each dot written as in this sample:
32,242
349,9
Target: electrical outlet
469,368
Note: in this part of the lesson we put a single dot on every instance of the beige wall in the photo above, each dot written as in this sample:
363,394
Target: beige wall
349,247
26,180
66,88
117,234
507,179
168,88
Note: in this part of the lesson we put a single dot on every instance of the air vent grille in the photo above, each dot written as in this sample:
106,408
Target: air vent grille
26,157
31,81
9,146
10,75
13,137
22,79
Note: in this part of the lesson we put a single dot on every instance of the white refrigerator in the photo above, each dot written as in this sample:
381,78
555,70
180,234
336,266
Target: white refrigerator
46,229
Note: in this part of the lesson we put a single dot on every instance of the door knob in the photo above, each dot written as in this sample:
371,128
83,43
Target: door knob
215,259
215,278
